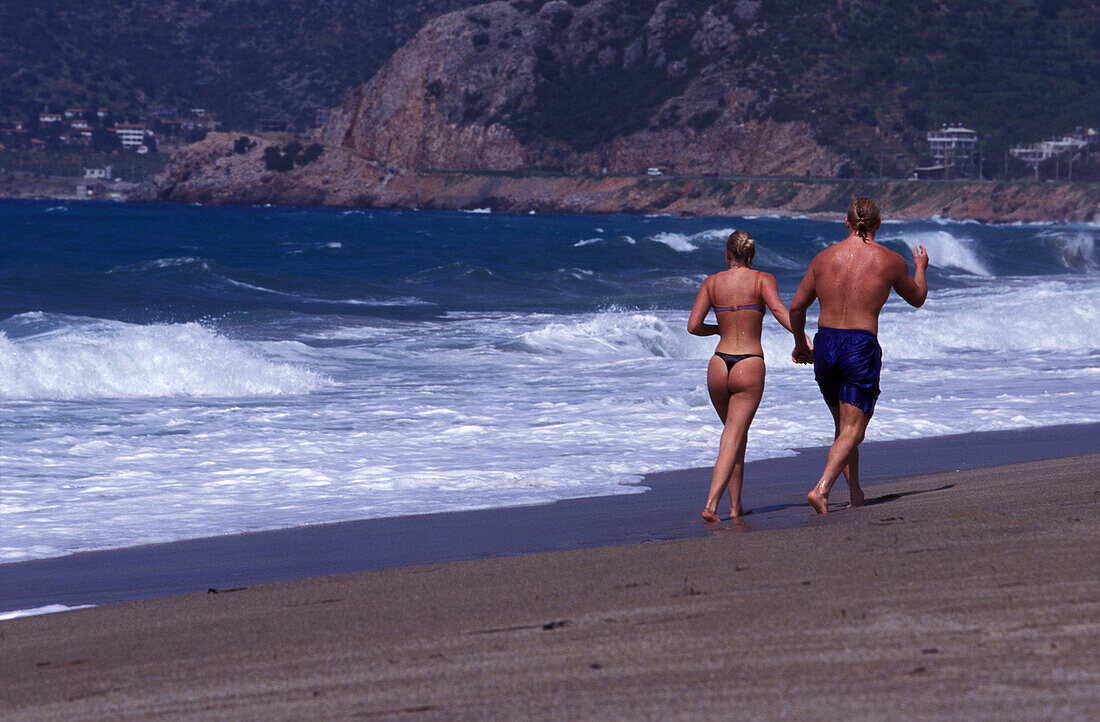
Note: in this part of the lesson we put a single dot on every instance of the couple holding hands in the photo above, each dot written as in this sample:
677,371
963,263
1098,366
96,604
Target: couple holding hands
851,280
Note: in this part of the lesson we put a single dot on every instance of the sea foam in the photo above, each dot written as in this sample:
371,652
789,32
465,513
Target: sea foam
106,359
945,250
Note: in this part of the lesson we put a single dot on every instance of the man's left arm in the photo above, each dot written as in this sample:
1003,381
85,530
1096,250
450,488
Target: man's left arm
914,290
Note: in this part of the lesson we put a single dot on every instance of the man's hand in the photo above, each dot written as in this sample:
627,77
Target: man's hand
803,353
920,257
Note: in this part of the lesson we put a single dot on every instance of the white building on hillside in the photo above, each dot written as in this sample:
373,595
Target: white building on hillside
954,148
132,135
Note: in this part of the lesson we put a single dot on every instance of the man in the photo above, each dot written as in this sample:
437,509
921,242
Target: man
852,280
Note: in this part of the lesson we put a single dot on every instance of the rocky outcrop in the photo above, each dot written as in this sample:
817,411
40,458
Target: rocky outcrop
577,89
563,106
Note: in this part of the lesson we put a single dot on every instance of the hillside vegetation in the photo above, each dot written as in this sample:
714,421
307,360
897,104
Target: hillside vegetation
868,79
1017,71
241,59
584,84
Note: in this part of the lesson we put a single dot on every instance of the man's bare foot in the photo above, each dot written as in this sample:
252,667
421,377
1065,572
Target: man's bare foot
818,501
855,496
709,516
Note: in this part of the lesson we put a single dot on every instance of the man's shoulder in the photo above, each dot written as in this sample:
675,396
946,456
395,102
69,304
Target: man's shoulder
891,256
827,254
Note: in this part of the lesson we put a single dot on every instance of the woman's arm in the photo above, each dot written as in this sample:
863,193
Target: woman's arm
769,289
697,325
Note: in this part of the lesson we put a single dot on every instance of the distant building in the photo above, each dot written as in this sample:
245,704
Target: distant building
132,135
954,149
930,172
1067,145
1090,136
45,118
12,135
103,173
653,171
74,113
80,124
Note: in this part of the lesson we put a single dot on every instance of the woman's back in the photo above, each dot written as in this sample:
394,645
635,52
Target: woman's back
739,308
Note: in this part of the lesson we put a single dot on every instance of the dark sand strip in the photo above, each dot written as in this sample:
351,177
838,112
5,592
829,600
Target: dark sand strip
774,488
964,595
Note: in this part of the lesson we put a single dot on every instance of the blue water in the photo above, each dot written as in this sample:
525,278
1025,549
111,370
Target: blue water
178,371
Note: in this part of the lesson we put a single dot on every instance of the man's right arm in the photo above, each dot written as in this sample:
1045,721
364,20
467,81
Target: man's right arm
803,297
914,290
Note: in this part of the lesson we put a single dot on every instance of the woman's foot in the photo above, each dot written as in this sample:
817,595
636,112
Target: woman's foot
709,516
740,512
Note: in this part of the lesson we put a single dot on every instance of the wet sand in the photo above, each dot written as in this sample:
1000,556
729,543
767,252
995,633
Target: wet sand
969,594
668,510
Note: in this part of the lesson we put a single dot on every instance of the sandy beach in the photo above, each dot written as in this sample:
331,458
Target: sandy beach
963,594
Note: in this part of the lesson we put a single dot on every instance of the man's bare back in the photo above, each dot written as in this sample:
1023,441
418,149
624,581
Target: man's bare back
852,281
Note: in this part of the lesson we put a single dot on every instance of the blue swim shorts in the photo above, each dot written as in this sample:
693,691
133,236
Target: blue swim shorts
847,364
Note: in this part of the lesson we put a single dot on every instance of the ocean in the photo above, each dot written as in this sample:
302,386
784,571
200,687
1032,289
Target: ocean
172,372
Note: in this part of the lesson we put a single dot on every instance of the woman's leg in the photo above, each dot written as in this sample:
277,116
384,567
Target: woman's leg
740,390
718,386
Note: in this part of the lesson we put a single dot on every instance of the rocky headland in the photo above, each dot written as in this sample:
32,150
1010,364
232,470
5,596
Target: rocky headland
564,107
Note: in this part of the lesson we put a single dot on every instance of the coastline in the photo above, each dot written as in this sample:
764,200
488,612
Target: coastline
667,510
965,595
211,172
685,197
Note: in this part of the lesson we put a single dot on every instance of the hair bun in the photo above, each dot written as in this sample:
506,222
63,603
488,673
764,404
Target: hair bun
741,247
864,217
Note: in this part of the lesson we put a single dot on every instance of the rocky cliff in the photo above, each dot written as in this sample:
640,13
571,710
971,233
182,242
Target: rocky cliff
563,106
578,87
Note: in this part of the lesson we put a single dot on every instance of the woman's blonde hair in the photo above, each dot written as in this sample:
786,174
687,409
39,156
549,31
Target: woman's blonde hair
741,247
864,217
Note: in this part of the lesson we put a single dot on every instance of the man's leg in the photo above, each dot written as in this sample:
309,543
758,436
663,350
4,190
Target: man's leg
852,426
851,466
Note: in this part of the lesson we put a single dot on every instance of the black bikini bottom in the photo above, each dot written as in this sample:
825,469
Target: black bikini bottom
731,359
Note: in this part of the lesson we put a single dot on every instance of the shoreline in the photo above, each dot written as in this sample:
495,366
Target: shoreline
741,212
667,510
213,172
963,595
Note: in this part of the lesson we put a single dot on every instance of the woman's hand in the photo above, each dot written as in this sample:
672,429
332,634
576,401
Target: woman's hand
803,352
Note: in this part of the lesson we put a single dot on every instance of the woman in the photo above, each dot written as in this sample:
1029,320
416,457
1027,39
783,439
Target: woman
735,376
